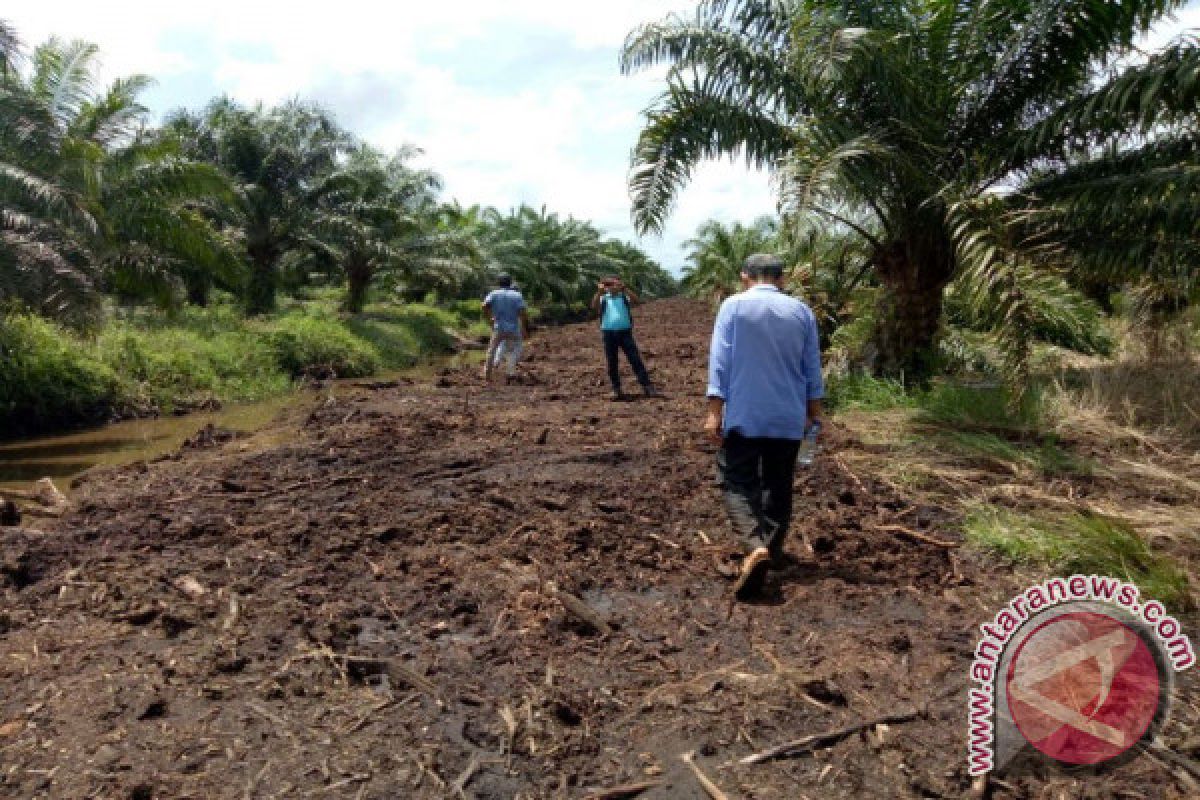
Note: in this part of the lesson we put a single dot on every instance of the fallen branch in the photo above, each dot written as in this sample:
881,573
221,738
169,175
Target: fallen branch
917,535
622,792
460,785
710,788
579,609
816,740
1173,758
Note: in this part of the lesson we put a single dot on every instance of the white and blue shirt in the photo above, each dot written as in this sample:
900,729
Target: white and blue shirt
506,306
765,363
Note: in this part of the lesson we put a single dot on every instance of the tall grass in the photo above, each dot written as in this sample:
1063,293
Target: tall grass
1078,543
1153,383
47,376
145,362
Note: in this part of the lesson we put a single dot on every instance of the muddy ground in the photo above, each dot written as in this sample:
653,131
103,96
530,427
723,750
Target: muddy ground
363,601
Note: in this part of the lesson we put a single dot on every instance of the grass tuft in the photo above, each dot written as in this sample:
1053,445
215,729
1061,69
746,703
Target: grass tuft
1078,543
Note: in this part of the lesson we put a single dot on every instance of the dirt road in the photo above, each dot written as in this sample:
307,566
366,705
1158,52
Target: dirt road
368,602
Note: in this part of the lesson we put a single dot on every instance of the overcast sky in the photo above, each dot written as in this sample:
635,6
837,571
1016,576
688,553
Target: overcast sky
513,101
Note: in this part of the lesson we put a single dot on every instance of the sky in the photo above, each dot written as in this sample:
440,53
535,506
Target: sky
517,101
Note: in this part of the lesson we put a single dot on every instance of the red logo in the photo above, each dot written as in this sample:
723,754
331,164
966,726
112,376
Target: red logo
1083,688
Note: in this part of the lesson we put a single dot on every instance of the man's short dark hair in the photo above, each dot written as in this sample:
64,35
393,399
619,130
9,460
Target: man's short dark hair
504,280
763,265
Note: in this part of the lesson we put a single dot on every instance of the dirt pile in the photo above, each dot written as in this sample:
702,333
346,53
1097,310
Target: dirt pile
428,590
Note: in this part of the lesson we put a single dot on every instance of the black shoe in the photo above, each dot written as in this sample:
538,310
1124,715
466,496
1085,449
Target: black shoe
618,396
754,572
650,391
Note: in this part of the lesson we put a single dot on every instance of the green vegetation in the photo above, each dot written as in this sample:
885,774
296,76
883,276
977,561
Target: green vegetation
1078,543
143,363
117,235
891,124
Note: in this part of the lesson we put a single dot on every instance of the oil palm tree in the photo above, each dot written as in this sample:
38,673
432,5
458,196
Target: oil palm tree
384,222
87,199
282,162
986,139
551,258
717,252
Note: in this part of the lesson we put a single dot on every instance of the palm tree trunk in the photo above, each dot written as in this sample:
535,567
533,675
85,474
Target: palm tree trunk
260,289
909,318
358,283
197,287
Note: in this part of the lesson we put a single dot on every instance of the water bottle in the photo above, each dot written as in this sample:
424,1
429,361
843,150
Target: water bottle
808,445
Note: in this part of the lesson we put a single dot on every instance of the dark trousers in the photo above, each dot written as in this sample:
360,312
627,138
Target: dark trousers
623,340
756,477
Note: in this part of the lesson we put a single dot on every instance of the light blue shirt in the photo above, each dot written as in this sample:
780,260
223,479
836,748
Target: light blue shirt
506,305
615,315
765,363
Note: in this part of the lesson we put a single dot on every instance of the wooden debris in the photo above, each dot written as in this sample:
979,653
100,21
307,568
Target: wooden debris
813,741
580,609
11,728
710,788
622,792
190,586
918,536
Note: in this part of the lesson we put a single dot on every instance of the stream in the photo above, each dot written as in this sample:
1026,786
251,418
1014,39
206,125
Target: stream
63,456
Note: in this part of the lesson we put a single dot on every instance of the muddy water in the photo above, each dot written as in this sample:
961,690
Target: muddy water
64,456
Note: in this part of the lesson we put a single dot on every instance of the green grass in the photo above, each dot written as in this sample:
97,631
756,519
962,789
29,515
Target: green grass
46,376
306,344
859,392
146,362
1046,456
1078,543
982,407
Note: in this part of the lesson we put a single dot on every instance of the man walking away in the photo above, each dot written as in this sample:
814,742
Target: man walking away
613,300
505,308
764,390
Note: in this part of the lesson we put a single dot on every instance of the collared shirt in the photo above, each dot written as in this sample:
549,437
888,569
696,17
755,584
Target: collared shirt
765,363
614,312
506,305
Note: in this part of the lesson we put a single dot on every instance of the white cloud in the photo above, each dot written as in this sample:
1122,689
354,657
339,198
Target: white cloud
515,101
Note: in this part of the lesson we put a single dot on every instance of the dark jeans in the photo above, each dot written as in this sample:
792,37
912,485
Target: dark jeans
623,340
756,476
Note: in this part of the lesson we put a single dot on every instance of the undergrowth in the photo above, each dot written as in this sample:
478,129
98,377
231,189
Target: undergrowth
146,362
1078,544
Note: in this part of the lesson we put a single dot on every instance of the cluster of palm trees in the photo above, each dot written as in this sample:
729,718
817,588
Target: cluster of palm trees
1011,148
95,201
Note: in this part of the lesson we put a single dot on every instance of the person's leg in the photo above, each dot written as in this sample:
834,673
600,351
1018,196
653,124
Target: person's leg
629,345
493,354
778,472
611,343
515,346
738,466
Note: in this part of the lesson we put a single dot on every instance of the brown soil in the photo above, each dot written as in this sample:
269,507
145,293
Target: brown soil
360,602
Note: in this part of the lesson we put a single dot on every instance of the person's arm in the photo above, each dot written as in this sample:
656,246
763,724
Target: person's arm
487,312
720,356
632,295
597,297
524,317
812,370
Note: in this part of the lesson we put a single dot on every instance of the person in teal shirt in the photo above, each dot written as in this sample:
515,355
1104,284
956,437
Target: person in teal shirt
613,301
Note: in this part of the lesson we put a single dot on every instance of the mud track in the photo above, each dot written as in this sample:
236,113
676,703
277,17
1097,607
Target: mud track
367,601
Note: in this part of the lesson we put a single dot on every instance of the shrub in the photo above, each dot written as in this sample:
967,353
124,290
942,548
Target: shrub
177,368
48,378
322,347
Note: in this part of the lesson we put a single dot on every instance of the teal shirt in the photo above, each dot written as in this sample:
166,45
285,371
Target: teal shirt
614,313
